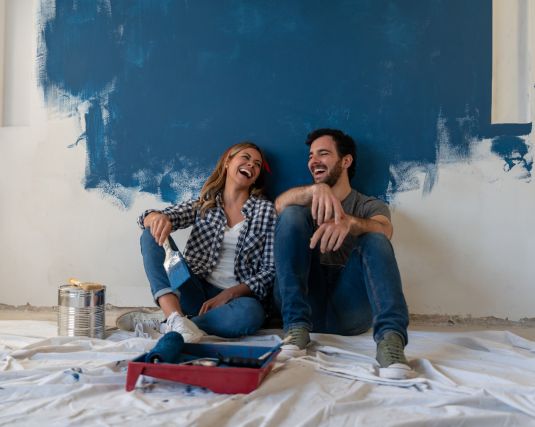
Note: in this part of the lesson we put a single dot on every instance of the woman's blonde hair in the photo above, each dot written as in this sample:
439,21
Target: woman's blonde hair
216,181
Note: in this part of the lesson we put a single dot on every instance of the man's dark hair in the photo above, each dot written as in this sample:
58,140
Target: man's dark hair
344,145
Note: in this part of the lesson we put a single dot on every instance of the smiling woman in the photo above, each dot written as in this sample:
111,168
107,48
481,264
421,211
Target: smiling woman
236,157
229,252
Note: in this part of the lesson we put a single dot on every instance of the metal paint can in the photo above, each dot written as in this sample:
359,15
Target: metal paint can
81,312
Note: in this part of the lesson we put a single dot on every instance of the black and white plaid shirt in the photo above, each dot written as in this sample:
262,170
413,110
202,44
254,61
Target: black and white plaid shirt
254,264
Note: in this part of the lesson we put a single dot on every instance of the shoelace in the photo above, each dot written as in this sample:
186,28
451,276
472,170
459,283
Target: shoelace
394,351
297,336
138,330
170,322
141,325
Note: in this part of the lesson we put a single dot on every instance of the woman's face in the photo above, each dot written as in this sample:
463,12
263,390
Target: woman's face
244,168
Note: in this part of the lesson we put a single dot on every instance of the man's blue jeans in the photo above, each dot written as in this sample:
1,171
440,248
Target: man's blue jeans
240,316
343,300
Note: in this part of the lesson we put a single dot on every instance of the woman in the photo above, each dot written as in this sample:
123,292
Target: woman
229,253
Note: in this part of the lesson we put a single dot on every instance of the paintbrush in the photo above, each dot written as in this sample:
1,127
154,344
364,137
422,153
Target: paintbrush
175,265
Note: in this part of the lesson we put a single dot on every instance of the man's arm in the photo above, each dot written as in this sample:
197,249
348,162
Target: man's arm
324,205
294,196
374,224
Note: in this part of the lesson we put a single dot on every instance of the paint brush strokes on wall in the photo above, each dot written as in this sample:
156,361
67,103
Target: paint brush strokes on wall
163,87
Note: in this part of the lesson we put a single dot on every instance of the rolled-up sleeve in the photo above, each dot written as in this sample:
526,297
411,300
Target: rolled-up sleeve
182,215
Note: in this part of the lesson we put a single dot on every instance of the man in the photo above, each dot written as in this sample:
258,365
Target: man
335,267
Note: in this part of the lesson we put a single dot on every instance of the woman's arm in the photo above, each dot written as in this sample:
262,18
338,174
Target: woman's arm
162,223
239,290
261,282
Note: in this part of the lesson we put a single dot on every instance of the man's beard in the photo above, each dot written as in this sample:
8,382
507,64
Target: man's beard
332,178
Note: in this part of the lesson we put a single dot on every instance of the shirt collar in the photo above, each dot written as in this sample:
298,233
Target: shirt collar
219,199
247,209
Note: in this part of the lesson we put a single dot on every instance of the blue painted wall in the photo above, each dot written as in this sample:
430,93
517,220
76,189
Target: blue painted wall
170,84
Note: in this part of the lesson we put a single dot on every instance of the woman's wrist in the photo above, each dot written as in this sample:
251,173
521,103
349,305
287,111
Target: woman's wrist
149,218
239,290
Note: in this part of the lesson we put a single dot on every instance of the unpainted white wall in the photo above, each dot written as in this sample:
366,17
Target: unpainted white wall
18,48
513,61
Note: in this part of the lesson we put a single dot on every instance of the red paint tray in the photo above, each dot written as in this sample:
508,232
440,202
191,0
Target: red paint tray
219,379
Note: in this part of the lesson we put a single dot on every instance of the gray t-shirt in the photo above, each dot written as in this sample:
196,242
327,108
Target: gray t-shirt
360,206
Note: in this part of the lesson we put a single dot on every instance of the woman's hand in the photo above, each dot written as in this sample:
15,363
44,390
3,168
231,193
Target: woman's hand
225,296
160,226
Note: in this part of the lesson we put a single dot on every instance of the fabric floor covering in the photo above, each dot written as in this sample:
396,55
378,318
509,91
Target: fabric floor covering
483,378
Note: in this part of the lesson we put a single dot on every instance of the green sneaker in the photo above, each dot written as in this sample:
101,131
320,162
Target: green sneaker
297,339
391,358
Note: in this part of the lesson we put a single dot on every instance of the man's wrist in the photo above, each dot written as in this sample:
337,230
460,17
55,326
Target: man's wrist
355,225
310,190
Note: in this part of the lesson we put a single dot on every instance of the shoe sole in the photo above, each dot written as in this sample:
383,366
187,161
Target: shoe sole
189,331
120,321
291,351
396,371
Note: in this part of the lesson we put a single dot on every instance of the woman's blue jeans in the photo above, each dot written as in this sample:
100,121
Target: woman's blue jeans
343,300
240,316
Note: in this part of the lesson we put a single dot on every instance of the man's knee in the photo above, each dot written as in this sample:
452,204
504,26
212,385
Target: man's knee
376,243
294,217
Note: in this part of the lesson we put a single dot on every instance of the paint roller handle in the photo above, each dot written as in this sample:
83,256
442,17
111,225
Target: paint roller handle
275,348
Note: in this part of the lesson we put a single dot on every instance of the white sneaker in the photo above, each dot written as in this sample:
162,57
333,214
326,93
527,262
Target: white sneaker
145,324
185,327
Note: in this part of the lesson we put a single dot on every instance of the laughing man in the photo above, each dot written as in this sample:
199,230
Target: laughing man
335,267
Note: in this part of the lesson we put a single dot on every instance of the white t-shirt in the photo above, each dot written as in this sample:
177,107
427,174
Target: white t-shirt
222,275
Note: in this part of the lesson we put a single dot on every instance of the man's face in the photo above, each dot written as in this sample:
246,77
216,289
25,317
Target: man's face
324,163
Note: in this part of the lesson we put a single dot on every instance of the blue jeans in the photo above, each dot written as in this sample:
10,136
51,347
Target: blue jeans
240,316
343,300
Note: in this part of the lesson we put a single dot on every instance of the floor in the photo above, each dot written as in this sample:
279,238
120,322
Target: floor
437,323
465,372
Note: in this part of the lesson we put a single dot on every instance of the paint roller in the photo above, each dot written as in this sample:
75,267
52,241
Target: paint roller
167,349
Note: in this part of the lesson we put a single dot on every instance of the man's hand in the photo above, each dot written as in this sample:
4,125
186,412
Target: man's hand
160,226
331,235
325,205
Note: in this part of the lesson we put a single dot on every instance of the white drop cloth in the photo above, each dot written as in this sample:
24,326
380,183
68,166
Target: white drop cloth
463,379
